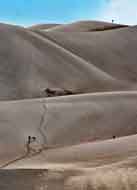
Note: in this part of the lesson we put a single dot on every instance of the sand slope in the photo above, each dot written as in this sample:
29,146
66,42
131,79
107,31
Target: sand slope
68,121
86,156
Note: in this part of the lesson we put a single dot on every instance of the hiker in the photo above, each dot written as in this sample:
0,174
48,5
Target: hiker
114,137
30,140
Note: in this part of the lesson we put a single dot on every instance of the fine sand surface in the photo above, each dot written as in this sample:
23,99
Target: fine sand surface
84,141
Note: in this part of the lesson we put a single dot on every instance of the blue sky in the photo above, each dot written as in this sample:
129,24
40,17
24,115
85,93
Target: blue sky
28,12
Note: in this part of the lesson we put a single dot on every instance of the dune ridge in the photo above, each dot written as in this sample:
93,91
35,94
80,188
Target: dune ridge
86,26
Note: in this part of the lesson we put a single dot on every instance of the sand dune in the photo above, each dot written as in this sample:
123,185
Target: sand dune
113,52
29,64
86,26
77,139
68,121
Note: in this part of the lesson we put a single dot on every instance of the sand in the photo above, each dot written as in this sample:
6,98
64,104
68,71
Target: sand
83,141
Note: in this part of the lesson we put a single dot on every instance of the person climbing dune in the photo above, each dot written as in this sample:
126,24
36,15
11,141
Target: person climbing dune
114,137
29,142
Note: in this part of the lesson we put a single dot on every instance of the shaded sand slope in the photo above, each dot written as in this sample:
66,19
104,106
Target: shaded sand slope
111,51
67,121
86,26
31,63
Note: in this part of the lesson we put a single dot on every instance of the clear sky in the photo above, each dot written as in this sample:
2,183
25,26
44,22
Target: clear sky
28,12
